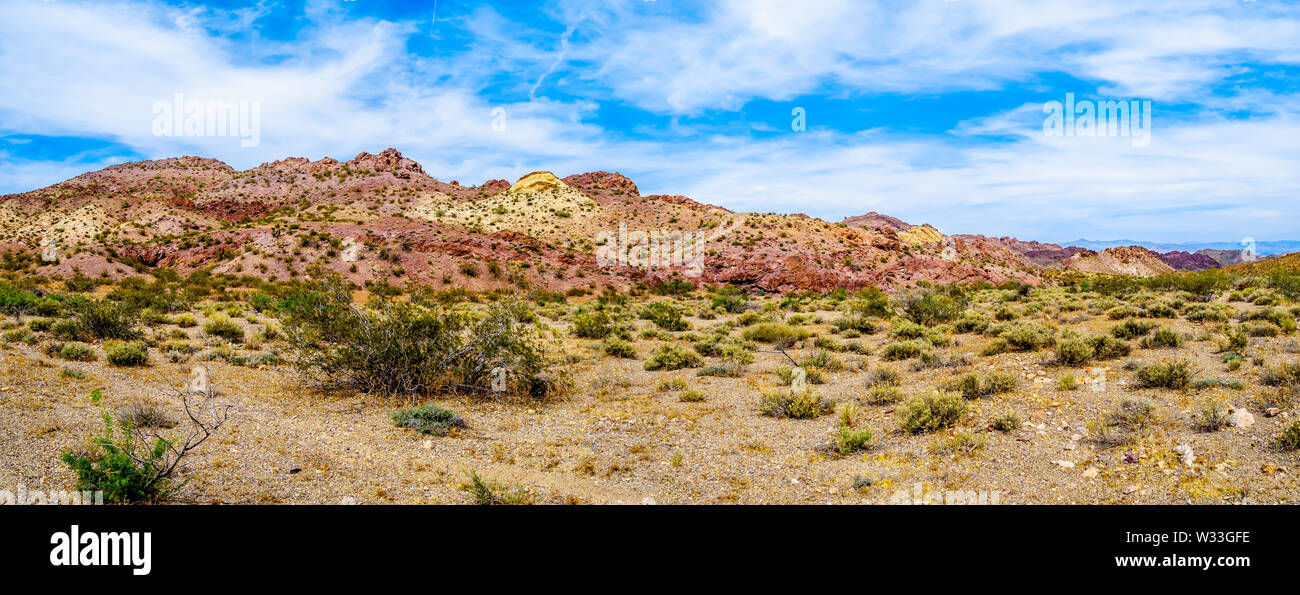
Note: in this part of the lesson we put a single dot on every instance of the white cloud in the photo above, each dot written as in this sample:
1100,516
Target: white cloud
345,85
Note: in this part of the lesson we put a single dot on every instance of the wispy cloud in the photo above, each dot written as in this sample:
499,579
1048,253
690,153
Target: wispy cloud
666,93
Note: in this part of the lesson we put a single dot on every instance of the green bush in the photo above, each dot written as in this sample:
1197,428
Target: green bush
1073,352
77,351
1290,437
71,330
1162,338
490,492
801,405
407,348
113,464
935,410
1024,336
108,320
1104,347
40,325
849,440
428,419
932,307
672,357
1176,374
617,347
592,325
221,325
1131,328
901,350
975,386
884,394
15,301
126,353
665,316
1007,422
691,396
773,332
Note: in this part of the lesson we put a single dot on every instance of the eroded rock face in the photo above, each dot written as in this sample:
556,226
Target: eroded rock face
276,220
538,181
603,180
1188,261
1124,260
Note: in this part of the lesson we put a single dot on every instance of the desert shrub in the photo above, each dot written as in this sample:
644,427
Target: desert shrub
722,369
1130,329
824,360
1212,417
428,419
849,440
900,350
184,320
107,320
867,303
1285,374
691,396
1289,439
1073,352
730,349
996,346
140,413
975,386
1234,340
592,324
813,375
883,375
1121,424
116,465
665,316
1067,382
77,351
15,301
617,347
40,325
221,325
126,353
131,463
729,299
1104,347
1162,338
773,332
1262,329
1171,374
883,394
487,492
971,323
1023,336
935,410
71,330
671,384
931,307
1007,422
672,357
1122,312
795,405
405,348
1208,313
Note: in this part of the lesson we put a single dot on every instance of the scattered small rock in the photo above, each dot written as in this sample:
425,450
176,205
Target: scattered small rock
1241,418
1188,455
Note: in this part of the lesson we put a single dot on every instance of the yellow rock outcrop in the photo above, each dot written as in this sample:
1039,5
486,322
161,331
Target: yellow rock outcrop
920,234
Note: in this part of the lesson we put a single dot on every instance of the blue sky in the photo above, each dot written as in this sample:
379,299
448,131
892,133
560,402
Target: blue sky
928,110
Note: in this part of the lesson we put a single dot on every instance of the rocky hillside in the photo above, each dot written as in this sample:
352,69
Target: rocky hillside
380,216
1128,260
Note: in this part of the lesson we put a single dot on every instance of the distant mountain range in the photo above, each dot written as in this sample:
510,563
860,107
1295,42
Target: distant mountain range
1262,248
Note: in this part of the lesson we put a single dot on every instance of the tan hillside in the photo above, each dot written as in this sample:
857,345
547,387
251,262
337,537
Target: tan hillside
1125,260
